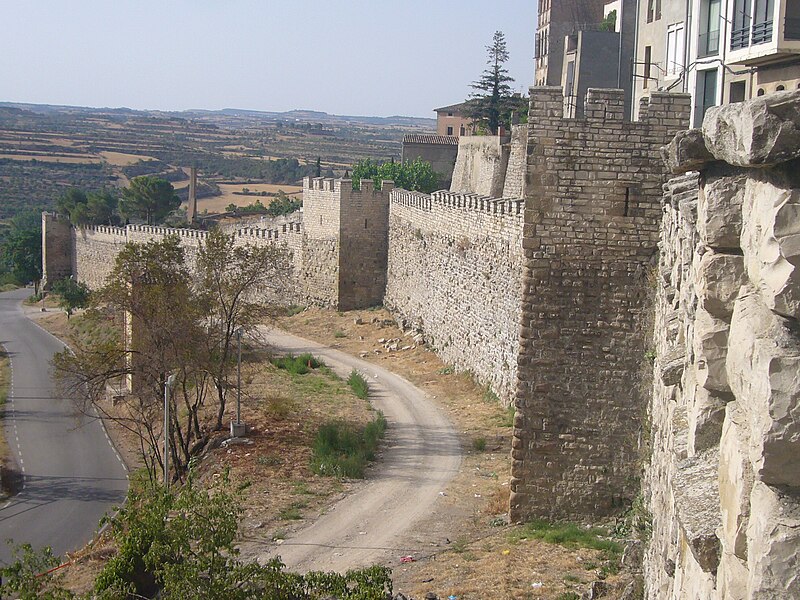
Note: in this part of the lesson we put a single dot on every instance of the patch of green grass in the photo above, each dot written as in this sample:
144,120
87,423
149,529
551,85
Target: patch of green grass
506,419
297,365
489,396
447,371
570,535
280,406
290,513
339,334
294,310
341,450
479,444
8,287
460,545
358,384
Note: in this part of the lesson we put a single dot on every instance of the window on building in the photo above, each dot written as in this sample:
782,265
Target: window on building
675,45
646,73
651,5
463,130
780,88
762,22
737,91
740,30
706,95
449,114
708,41
760,92
658,9
791,23
449,131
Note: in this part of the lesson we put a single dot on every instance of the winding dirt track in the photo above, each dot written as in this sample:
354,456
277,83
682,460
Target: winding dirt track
421,454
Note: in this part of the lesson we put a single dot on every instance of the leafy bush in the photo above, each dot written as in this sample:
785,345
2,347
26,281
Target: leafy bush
340,450
416,175
72,295
358,384
297,365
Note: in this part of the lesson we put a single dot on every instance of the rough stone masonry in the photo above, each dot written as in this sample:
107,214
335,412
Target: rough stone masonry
723,481
590,240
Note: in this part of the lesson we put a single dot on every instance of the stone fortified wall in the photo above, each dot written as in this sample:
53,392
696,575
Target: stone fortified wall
345,242
591,231
481,165
88,253
455,267
724,480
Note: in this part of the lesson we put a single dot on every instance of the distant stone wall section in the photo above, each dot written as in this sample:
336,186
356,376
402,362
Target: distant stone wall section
514,184
454,273
591,232
57,249
723,483
481,165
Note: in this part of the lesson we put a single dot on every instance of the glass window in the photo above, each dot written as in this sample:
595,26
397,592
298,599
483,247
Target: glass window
675,45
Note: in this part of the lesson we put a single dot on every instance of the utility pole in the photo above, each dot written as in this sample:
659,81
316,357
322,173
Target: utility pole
167,387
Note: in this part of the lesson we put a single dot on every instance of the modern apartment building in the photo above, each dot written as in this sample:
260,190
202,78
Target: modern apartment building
719,51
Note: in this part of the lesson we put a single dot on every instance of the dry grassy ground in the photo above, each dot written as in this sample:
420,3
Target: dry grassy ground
487,558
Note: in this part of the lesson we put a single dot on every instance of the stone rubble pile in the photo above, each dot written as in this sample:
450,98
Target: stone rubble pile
724,479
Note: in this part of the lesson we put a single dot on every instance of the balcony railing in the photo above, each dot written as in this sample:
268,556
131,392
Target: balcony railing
740,38
762,33
791,29
708,44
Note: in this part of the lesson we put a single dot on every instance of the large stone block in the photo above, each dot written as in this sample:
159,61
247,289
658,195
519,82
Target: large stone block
762,132
686,152
735,481
710,350
719,277
774,542
719,207
763,368
697,507
706,414
771,243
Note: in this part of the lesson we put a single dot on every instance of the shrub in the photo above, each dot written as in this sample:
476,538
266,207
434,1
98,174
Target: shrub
358,384
297,365
341,450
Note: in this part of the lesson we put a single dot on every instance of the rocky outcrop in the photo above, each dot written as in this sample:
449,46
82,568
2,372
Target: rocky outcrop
724,481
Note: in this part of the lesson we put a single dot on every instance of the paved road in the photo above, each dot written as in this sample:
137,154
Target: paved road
421,455
71,474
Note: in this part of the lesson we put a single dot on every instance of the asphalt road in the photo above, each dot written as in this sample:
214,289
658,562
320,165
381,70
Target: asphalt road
375,525
71,475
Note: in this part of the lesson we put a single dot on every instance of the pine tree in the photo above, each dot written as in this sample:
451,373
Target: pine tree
492,108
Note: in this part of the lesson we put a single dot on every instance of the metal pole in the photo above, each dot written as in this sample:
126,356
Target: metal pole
167,386
166,434
239,379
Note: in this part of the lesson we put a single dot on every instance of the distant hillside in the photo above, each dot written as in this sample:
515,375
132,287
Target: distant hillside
225,115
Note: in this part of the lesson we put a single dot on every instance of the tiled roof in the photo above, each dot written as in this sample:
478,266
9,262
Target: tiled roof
453,108
422,138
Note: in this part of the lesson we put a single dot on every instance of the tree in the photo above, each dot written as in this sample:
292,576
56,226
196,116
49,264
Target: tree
92,208
21,250
148,198
181,322
492,108
72,294
416,175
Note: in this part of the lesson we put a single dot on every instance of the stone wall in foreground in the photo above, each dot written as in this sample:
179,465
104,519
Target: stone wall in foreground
723,484
592,213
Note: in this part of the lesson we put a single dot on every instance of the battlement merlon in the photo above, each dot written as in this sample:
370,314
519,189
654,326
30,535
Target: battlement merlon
547,102
345,187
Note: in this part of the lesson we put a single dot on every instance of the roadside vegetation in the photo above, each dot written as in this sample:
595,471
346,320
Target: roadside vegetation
341,450
182,544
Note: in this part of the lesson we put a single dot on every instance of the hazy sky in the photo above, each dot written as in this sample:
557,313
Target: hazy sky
356,57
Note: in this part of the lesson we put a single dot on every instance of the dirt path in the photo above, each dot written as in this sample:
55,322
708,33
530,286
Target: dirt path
421,455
